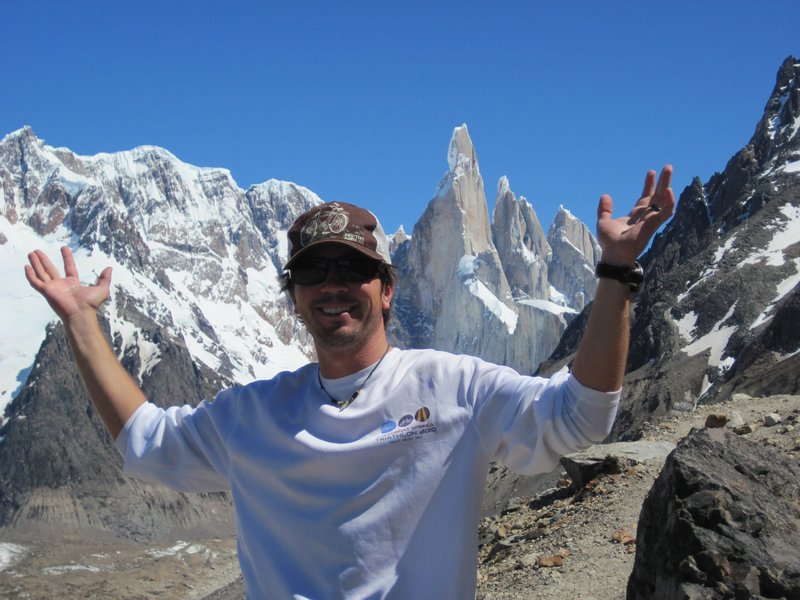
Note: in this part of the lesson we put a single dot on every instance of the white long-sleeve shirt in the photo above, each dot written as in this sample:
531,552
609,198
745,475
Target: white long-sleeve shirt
382,499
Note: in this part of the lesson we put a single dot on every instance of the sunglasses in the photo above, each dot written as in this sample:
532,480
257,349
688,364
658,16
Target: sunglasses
350,270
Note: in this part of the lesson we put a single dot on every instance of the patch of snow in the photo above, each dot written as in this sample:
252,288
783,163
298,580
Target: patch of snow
11,554
557,297
551,307
715,340
783,288
686,325
786,233
180,546
466,271
61,569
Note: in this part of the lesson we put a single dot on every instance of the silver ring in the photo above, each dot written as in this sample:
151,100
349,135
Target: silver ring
654,208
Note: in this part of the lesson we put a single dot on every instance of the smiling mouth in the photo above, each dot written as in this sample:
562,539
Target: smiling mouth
335,310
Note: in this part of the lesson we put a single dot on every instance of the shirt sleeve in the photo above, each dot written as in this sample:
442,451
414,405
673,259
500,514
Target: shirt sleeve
528,423
181,447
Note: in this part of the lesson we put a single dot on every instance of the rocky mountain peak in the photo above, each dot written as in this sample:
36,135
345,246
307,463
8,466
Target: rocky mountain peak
575,254
23,134
396,241
778,128
521,244
461,157
470,287
454,227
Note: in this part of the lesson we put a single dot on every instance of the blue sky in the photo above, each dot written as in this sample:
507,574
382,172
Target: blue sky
358,100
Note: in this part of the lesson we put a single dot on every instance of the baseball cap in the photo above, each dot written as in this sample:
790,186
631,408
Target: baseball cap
339,223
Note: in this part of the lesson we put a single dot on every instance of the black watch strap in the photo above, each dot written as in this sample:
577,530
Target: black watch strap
633,276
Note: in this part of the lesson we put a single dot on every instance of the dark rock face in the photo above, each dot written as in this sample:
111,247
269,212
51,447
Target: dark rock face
718,313
721,521
60,471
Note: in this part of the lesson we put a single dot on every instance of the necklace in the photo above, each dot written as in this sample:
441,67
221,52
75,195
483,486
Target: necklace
342,404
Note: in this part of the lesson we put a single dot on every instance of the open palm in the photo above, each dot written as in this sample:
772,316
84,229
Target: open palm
65,295
623,239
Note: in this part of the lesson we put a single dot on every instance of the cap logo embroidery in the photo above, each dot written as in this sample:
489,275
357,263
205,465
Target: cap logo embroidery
331,221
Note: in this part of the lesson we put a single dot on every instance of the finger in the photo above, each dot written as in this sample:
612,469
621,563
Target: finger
48,266
70,270
33,278
649,184
605,208
37,260
104,280
666,197
664,179
653,219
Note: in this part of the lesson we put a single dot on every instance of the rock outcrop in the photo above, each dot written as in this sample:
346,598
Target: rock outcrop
721,521
575,254
521,244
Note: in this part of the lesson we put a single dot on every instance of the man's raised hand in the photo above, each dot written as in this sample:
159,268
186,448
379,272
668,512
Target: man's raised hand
623,239
66,295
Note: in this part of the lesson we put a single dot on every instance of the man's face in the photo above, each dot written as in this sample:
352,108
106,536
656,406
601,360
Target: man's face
340,314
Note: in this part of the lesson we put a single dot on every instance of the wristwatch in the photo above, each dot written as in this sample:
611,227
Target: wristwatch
633,276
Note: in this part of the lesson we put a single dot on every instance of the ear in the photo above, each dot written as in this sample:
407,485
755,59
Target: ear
387,293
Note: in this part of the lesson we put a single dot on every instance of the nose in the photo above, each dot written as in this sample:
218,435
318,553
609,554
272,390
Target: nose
333,279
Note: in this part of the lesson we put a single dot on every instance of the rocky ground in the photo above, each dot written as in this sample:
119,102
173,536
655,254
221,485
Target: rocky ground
177,571
567,542
580,544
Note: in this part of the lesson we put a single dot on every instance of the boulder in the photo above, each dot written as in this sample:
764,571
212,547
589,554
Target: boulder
721,521
584,466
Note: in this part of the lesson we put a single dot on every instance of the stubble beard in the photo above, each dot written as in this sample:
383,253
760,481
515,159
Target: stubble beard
340,339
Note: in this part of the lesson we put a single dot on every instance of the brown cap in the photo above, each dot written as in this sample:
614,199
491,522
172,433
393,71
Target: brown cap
340,223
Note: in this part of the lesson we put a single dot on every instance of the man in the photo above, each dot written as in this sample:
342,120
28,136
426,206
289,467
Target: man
362,476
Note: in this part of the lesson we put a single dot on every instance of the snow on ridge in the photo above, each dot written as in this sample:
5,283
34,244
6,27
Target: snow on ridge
794,166
466,271
557,297
566,213
785,234
503,186
686,326
283,188
711,268
25,129
715,340
564,238
245,337
548,306
782,289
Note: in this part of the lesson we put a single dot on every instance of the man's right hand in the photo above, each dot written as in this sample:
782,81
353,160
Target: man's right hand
115,395
66,295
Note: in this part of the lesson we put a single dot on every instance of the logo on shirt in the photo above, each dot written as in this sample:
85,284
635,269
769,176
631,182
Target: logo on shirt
408,427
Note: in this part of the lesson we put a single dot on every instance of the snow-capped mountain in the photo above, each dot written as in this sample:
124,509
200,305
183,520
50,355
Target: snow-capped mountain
474,286
190,250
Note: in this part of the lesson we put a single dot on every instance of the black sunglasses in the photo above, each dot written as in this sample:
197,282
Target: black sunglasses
352,270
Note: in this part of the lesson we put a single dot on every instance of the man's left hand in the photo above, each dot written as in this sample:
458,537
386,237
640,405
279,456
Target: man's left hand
623,239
